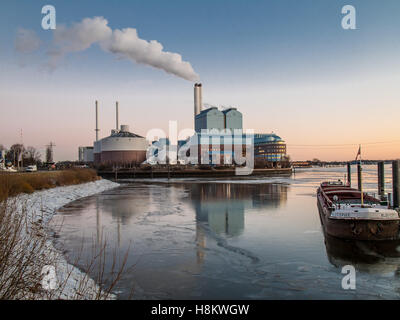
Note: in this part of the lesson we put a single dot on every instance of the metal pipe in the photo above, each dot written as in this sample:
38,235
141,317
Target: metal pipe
396,183
389,196
116,117
349,173
381,179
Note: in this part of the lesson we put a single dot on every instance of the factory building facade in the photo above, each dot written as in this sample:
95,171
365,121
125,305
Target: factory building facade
215,129
211,118
233,119
220,139
269,147
85,154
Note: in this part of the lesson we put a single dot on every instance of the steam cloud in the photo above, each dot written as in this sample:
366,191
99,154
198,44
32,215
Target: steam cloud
123,43
26,41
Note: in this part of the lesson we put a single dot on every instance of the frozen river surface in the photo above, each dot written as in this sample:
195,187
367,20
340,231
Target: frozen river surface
228,239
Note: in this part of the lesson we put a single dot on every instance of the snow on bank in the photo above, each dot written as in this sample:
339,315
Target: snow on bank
41,206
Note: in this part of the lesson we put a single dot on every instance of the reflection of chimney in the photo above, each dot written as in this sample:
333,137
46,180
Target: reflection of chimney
198,100
97,122
116,116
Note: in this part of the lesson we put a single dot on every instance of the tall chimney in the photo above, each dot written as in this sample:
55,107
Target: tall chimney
97,122
116,116
198,100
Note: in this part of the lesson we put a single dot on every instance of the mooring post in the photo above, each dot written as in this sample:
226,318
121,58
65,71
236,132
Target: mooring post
396,183
389,197
359,176
168,172
381,179
116,174
349,173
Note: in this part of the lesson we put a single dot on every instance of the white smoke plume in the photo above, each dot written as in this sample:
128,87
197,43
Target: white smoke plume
123,43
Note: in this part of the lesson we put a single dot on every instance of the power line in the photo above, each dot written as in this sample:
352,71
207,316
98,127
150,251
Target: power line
343,144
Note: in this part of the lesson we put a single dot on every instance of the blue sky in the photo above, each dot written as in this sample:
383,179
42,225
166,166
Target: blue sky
285,64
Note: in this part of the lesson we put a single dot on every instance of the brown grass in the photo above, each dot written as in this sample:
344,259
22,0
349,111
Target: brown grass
12,184
24,252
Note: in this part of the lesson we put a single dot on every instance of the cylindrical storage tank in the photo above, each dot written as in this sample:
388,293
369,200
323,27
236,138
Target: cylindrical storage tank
124,128
123,147
97,152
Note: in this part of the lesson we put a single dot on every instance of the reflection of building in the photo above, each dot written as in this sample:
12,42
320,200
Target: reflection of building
85,154
222,206
366,256
226,217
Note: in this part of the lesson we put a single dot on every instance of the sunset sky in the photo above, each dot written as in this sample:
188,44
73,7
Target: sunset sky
288,66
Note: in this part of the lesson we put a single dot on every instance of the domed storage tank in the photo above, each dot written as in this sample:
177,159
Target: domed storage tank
97,152
123,147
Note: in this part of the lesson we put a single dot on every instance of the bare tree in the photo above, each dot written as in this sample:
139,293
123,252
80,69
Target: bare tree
31,156
14,153
49,152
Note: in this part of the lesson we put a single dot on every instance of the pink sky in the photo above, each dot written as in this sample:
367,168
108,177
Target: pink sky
331,116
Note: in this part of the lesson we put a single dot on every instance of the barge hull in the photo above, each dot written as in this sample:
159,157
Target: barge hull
358,229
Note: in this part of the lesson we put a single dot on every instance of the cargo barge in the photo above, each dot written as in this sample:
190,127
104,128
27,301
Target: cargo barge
348,213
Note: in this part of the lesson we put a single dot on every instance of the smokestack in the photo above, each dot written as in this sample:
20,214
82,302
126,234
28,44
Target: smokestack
198,100
116,116
97,122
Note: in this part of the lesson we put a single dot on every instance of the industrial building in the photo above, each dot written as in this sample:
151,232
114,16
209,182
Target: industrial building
233,119
210,125
85,154
122,147
218,139
269,147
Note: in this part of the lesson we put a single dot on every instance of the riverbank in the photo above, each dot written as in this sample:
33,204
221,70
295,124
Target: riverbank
177,172
37,209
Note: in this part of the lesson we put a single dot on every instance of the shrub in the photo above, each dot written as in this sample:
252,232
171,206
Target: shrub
24,253
12,184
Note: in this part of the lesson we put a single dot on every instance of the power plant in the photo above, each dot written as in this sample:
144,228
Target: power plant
268,147
123,147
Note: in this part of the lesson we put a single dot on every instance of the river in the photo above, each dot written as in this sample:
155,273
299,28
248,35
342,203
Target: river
227,239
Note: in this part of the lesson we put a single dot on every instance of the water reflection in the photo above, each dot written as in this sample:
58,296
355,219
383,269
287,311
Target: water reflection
366,256
227,240
223,205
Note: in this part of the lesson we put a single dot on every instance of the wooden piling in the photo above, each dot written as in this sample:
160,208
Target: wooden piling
349,173
396,183
359,179
381,179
